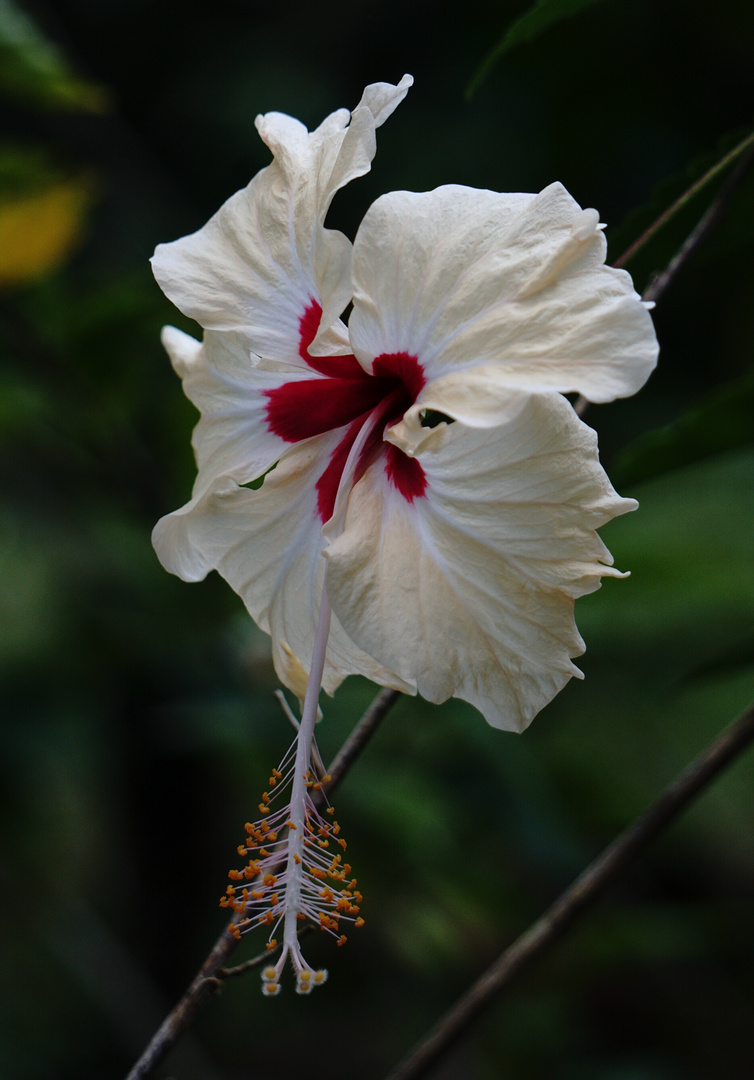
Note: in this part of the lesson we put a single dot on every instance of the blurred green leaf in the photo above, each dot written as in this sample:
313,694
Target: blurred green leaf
33,69
24,169
735,658
527,27
722,421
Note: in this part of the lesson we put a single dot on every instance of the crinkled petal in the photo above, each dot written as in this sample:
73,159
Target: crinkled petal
514,285
469,589
261,260
267,544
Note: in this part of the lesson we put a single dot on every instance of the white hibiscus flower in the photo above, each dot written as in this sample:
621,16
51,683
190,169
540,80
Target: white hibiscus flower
424,453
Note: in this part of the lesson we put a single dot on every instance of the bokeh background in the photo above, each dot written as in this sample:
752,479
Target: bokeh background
138,723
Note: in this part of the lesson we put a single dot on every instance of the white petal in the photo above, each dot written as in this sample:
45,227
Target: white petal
464,279
469,589
232,438
267,544
260,261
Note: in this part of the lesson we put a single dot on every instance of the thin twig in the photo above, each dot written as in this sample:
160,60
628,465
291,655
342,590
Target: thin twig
584,891
709,221
209,977
360,736
742,148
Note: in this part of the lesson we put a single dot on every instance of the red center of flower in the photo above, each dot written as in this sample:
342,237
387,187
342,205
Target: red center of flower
347,396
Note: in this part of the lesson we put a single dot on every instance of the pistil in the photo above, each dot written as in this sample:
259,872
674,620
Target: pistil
301,775
292,861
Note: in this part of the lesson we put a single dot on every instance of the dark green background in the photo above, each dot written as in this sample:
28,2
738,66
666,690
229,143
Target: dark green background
138,724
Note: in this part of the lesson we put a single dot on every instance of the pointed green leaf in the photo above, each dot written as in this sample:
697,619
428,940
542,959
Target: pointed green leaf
33,69
533,22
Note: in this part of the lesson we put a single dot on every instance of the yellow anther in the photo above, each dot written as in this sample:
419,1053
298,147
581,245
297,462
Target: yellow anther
270,946
359,922
270,879
342,940
330,810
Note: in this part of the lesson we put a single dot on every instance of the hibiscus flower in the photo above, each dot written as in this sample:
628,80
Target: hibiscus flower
424,452
409,496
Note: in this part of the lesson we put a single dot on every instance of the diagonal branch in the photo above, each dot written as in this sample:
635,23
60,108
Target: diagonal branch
745,148
706,224
209,977
709,221
359,737
584,891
